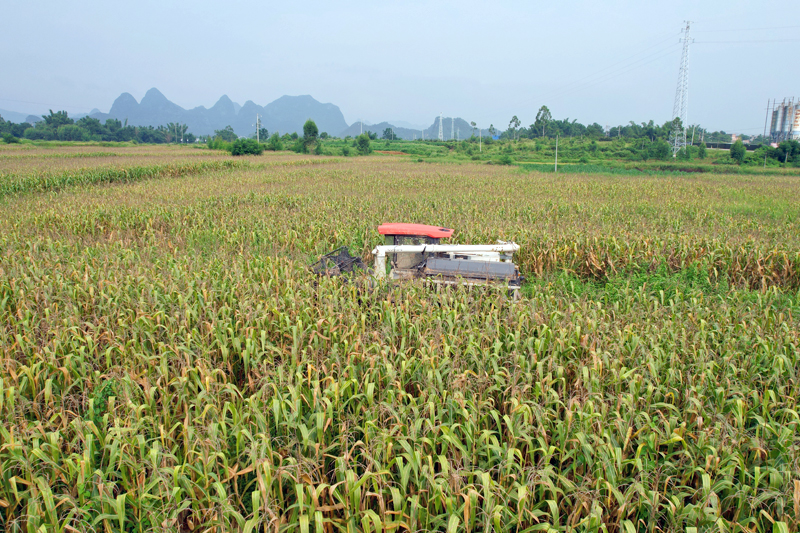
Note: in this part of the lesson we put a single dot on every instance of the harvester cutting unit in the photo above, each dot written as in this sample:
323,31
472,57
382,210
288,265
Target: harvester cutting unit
414,251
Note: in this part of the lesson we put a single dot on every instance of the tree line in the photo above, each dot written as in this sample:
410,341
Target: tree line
545,126
58,126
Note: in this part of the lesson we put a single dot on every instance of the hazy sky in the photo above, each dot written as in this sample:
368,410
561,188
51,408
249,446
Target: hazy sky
605,62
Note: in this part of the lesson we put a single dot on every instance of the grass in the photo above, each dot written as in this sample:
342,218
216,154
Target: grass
168,362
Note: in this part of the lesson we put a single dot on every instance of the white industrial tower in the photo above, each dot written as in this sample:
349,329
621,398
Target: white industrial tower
681,108
441,134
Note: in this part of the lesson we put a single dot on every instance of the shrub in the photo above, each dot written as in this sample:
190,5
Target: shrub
9,139
246,147
318,149
40,133
299,147
275,143
505,160
363,146
659,150
71,132
738,151
218,143
345,150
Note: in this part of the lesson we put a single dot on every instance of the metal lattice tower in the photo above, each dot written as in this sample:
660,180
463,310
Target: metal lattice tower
681,108
441,134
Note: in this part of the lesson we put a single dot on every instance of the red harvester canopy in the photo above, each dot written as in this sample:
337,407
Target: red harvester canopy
396,228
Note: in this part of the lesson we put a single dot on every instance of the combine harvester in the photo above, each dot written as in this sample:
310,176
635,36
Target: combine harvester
414,252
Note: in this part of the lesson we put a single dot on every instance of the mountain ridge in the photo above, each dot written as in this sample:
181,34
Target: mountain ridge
287,114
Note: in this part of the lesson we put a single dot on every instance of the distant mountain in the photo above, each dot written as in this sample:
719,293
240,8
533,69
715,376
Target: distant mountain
18,118
460,130
408,125
287,114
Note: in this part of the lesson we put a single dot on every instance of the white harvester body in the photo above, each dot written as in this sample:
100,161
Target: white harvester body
414,252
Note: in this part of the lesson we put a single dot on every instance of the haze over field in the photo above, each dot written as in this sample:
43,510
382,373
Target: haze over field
405,61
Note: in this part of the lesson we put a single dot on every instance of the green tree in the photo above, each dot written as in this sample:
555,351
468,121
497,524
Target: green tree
788,151
513,125
594,130
226,134
543,118
737,151
323,135
492,131
71,132
310,132
275,143
659,150
113,125
318,149
55,120
387,134
362,144
91,125
246,147
299,146
701,151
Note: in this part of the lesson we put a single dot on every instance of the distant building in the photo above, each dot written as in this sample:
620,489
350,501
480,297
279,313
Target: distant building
785,123
735,137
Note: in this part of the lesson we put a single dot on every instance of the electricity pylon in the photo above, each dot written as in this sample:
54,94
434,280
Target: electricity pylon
681,108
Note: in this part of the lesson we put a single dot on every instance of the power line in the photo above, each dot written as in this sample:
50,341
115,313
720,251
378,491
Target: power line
603,71
750,41
623,70
749,29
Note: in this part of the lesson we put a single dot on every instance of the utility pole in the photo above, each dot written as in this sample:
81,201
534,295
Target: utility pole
765,120
452,127
556,171
441,134
480,140
680,109
258,128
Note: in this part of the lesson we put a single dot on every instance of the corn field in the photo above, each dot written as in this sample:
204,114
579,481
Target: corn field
169,362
